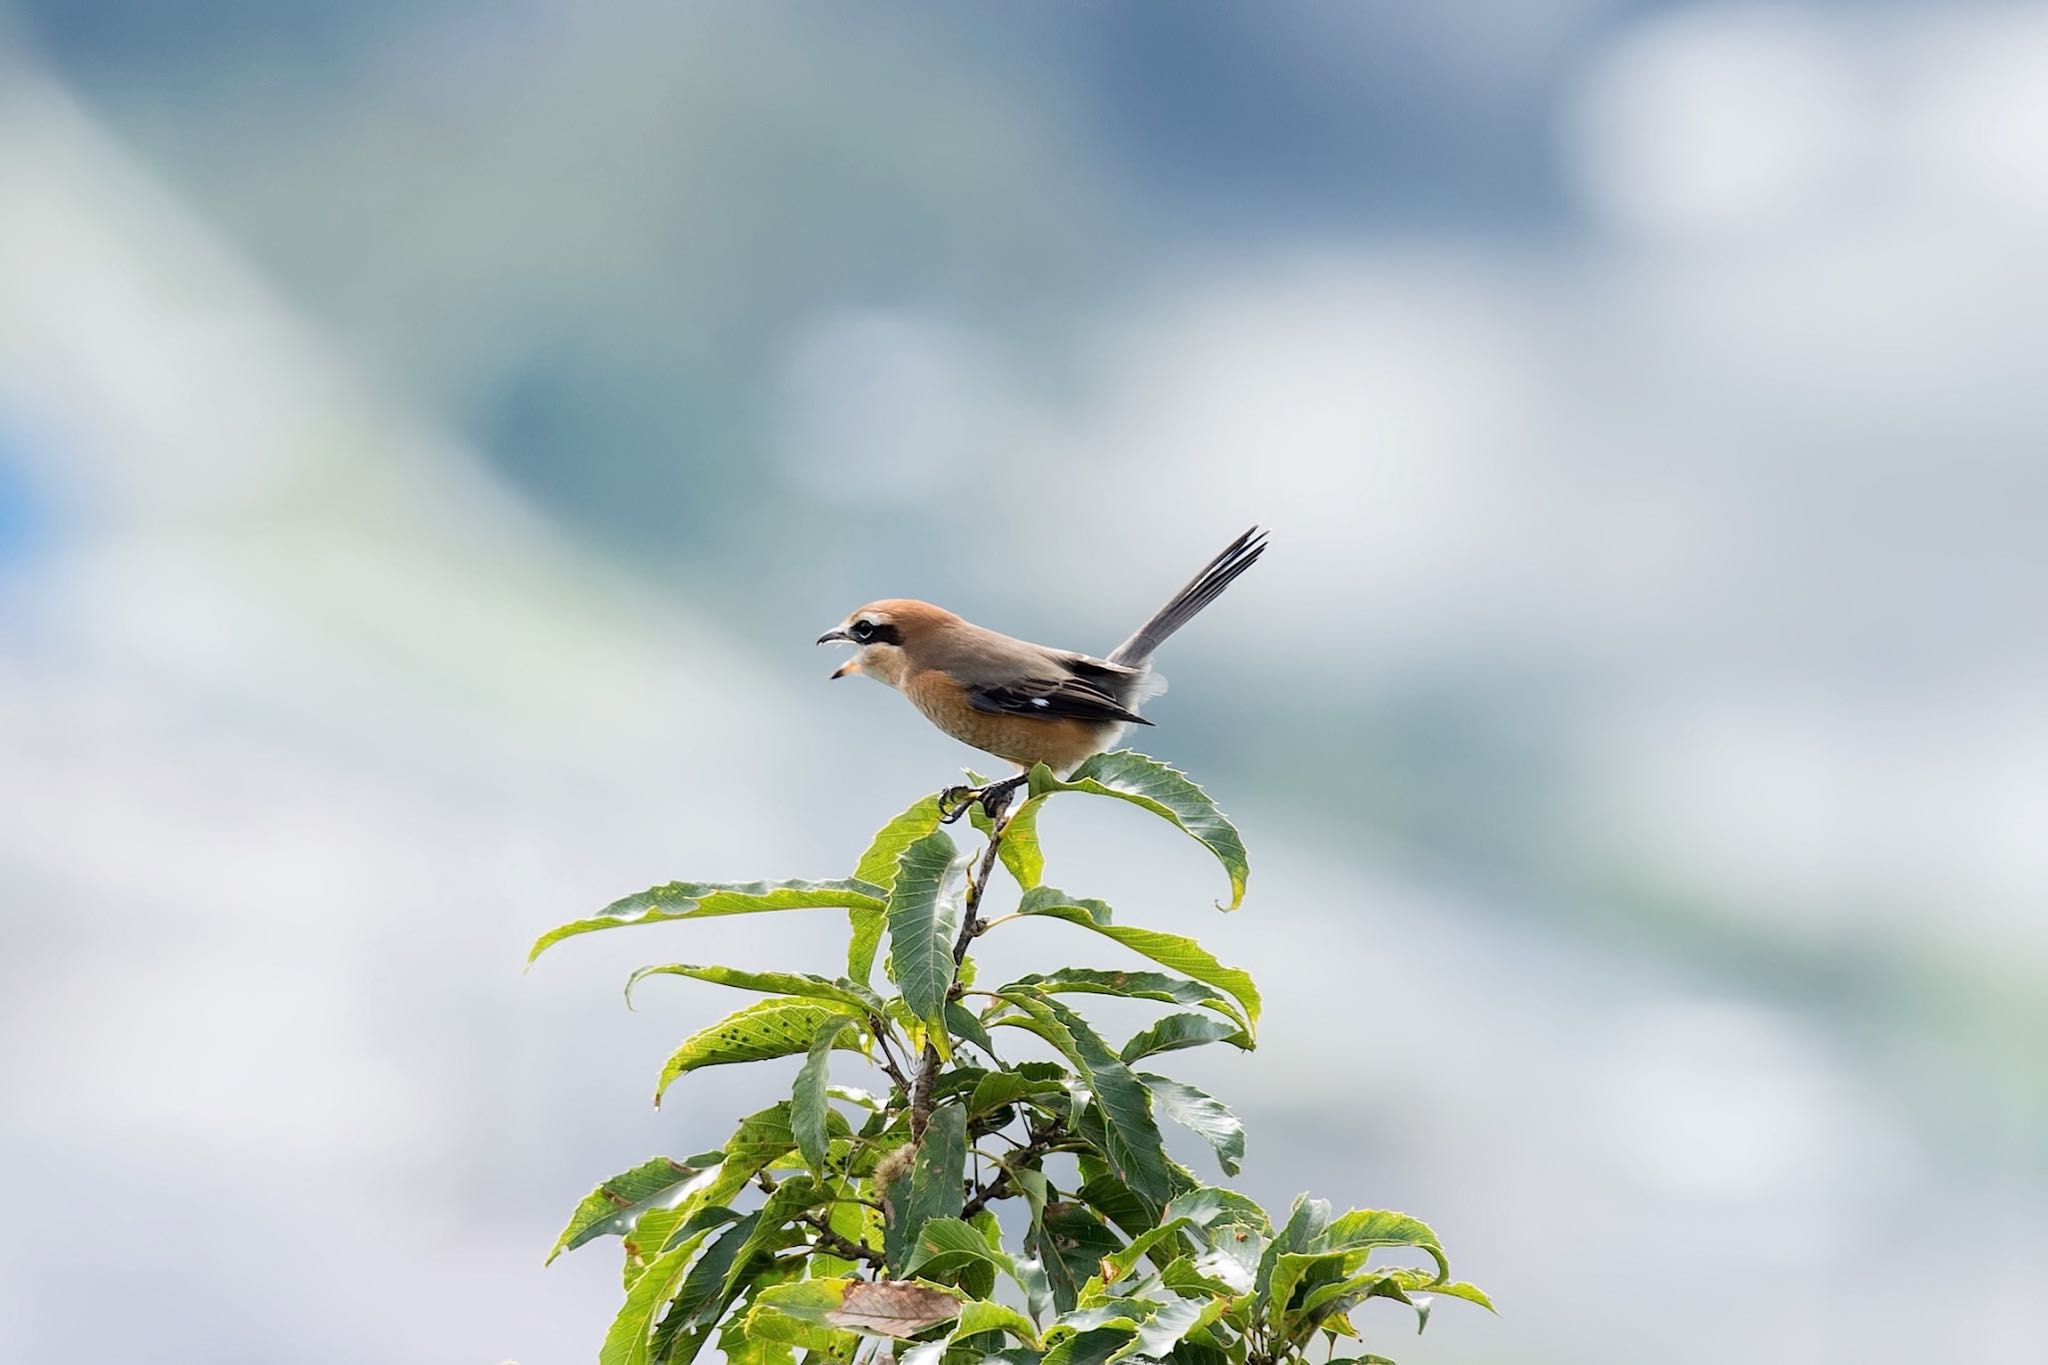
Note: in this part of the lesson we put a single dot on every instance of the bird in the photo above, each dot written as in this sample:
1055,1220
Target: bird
1024,703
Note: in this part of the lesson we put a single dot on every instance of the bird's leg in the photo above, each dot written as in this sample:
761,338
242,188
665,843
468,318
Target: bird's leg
995,797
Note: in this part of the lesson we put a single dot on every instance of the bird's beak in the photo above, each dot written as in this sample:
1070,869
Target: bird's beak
836,636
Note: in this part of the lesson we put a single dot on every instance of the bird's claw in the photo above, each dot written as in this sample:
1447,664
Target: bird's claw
964,796
993,799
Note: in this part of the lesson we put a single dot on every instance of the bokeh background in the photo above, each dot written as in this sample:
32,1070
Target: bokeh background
431,435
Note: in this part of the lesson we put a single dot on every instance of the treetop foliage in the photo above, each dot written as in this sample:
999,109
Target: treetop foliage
846,1222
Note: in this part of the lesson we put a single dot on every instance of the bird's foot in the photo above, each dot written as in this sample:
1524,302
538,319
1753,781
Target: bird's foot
954,801
993,799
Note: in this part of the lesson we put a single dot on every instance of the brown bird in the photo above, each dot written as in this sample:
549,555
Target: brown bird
1023,702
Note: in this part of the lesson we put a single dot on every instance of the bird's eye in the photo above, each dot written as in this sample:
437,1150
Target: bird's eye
863,631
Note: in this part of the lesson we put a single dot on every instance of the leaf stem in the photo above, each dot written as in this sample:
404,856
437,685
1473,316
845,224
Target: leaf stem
999,919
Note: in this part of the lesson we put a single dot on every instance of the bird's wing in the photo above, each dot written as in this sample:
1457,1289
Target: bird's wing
1069,697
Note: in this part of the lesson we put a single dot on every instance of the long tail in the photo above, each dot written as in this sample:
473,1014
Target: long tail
1203,589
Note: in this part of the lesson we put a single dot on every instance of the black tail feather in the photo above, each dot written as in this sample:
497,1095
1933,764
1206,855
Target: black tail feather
1204,588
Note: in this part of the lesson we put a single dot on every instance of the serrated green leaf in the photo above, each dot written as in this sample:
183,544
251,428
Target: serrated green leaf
771,1224
1169,1324
933,1187
1172,951
878,865
1133,1143
924,917
1019,850
1168,793
777,1027
800,984
1102,1191
613,1208
999,1088
1294,1269
1203,1115
944,1245
1120,1263
704,900
628,1340
1305,1223
1178,1031
1333,1297
963,1024
984,1315
1172,990
1180,1276
1069,1242
807,1101
864,940
1362,1229
1456,1289
1211,1206
1097,1346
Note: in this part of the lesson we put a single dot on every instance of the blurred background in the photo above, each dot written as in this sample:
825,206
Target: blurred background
432,434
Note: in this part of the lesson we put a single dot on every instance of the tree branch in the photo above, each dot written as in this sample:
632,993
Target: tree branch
970,922
845,1250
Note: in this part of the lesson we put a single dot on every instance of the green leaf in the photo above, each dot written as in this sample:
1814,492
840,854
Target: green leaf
963,1024
759,1140
923,919
1133,1145
1455,1289
1178,1031
1334,1298
1169,1324
771,1223
933,1187
878,865
702,900
983,1315
1305,1223
999,1088
1102,1191
1203,1115
1120,1263
864,941
1293,1269
1173,990
1098,1346
1020,850
1172,951
946,1244
801,984
627,1341
612,1209
1211,1206
1070,1242
1166,792
807,1102
1362,1229
777,1027
1181,1277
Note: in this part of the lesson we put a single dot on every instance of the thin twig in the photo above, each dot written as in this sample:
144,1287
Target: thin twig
839,1246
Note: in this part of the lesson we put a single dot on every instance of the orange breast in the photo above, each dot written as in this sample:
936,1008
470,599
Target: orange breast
1059,742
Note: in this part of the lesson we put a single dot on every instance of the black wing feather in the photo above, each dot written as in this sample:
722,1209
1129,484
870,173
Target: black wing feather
1071,698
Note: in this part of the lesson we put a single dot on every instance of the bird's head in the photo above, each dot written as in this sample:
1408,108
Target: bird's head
884,634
